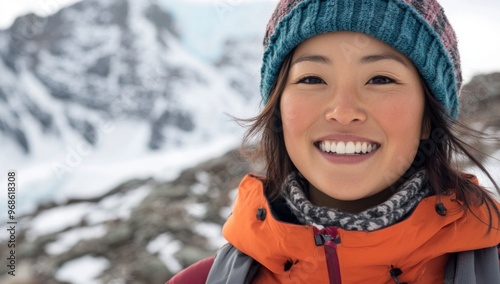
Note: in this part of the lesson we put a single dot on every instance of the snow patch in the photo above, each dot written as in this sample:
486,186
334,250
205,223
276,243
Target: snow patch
166,246
118,206
83,270
57,219
211,231
70,238
197,210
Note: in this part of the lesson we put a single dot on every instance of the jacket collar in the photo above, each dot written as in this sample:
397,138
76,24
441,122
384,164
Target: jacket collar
273,242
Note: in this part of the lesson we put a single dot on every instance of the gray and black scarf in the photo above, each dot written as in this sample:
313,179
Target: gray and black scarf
404,200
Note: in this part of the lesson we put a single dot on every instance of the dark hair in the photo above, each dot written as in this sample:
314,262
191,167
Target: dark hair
444,175
271,146
443,144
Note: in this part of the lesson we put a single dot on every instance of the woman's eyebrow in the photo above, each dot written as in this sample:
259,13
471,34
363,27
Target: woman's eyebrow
365,59
383,56
312,58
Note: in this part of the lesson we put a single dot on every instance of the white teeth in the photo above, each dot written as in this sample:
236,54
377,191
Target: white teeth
347,148
328,146
350,148
364,147
340,148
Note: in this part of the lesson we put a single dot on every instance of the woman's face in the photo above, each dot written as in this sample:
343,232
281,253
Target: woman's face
352,112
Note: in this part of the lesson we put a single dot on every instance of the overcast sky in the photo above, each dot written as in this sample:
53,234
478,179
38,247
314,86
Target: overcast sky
477,23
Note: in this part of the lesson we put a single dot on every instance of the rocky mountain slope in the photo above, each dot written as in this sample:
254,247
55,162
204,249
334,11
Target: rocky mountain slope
142,231
480,101
480,108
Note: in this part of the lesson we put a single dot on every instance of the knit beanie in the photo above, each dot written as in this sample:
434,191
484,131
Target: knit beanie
418,29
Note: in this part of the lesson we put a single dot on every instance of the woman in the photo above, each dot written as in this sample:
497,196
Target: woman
361,187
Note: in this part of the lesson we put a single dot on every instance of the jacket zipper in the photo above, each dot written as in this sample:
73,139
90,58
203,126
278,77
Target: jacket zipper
329,238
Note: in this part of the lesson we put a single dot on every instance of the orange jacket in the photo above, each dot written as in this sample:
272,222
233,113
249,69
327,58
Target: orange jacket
419,245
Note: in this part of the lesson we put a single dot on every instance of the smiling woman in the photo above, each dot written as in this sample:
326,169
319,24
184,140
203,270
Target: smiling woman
361,102
373,97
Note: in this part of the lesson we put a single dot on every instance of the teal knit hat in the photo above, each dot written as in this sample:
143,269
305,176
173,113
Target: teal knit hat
418,29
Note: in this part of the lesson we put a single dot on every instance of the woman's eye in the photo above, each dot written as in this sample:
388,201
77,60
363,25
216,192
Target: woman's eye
311,80
380,80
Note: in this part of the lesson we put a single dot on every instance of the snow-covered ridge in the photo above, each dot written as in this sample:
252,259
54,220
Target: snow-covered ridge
103,91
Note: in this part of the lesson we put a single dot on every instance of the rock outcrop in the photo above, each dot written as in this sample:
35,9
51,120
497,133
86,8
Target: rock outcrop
175,224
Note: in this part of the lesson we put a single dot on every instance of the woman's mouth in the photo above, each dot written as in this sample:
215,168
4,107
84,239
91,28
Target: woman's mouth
347,147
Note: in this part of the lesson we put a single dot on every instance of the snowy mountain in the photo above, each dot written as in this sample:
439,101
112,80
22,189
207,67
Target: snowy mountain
101,61
107,90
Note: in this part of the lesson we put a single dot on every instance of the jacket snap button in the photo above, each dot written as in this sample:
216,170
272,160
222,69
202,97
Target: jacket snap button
441,209
261,214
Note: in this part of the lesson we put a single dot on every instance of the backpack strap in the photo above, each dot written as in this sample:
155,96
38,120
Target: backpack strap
232,266
473,267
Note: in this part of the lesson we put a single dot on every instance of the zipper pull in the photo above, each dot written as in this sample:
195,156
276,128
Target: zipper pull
325,235
321,239
329,238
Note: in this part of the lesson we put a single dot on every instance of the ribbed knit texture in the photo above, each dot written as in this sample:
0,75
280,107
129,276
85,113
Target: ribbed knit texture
418,29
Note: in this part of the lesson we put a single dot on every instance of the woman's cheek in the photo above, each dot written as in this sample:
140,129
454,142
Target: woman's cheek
292,113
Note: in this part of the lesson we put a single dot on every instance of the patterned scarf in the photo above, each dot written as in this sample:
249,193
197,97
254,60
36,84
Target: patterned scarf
409,194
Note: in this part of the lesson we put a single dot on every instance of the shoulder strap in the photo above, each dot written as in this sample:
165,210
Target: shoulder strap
473,267
232,266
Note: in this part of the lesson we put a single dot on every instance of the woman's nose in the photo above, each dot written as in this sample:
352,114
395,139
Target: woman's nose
344,107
